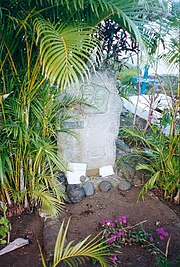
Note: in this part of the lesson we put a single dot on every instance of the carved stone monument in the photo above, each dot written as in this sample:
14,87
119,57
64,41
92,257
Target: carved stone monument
96,127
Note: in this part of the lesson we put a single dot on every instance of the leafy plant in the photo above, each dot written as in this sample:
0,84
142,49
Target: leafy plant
65,59
117,233
171,55
73,255
5,226
162,154
124,85
159,149
126,74
31,118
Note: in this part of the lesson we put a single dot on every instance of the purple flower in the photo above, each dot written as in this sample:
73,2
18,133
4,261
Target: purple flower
160,230
165,234
161,237
111,225
103,222
122,219
120,234
162,233
145,233
151,239
111,240
113,258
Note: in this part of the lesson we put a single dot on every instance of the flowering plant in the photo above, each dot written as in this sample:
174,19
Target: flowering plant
117,233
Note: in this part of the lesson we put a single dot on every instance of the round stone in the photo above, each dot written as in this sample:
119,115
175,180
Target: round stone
83,178
124,185
122,146
88,188
76,195
105,186
137,181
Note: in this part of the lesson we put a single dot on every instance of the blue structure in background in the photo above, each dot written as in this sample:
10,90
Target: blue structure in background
143,81
145,77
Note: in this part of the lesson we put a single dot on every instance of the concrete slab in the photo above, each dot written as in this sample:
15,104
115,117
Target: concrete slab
158,105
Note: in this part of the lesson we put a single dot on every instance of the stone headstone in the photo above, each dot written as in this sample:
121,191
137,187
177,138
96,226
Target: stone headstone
96,128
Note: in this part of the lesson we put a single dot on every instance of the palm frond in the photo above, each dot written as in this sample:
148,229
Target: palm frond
73,254
48,201
64,51
130,15
172,57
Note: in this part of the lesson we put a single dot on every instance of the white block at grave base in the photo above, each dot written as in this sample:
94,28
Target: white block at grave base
106,170
76,170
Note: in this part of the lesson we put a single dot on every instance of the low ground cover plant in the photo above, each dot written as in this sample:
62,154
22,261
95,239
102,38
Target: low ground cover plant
117,233
5,225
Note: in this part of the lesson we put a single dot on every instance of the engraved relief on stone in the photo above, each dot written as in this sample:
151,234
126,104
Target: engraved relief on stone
97,96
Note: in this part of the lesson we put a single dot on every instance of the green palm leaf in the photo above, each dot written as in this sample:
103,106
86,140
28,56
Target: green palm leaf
172,57
131,15
64,51
48,202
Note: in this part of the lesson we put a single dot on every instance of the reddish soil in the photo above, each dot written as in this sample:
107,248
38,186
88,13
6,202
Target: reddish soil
85,218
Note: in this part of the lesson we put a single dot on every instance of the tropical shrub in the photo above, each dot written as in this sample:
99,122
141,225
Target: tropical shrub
158,144
31,116
162,155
